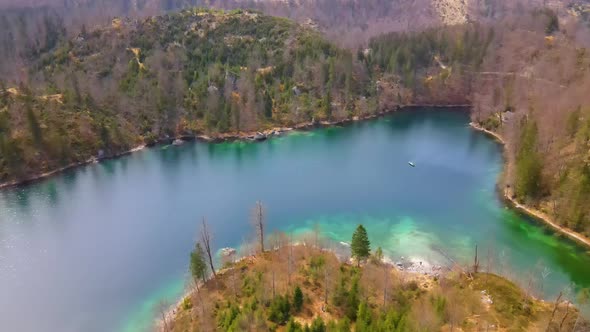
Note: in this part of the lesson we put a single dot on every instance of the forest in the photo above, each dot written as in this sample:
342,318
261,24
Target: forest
197,71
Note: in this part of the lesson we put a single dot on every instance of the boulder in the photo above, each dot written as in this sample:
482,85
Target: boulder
225,252
259,137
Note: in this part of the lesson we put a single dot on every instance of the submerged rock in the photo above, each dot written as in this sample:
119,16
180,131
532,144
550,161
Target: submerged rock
259,137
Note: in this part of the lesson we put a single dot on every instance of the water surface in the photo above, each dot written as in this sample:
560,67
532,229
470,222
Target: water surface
96,248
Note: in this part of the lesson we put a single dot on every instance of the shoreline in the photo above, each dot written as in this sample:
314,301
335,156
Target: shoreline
412,269
543,218
220,138
532,212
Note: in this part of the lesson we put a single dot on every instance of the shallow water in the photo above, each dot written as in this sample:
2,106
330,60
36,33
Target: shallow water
96,248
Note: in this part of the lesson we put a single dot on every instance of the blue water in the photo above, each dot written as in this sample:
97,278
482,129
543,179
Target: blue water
96,248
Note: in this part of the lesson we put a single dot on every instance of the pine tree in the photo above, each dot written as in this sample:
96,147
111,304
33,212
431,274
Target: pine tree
318,325
198,264
528,163
34,125
267,105
297,299
360,246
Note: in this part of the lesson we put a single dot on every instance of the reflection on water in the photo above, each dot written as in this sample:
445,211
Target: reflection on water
107,241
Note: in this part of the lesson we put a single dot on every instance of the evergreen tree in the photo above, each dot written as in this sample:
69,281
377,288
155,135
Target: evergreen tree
528,163
343,325
34,125
352,301
267,105
297,299
363,318
198,263
279,310
318,325
293,326
327,104
377,256
360,246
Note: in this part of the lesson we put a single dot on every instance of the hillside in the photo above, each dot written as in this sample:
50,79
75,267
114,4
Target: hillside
535,96
196,72
214,73
230,74
26,25
258,293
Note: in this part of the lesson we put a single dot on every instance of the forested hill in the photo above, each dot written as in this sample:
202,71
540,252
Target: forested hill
133,82
207,72
198,71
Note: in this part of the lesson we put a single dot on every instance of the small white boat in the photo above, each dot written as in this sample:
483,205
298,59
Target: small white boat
411,164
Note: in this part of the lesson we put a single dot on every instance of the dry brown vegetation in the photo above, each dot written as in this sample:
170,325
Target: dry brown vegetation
539,81
241,298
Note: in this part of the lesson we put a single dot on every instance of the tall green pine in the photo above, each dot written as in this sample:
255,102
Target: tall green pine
528,163
360,246
198,265
297,299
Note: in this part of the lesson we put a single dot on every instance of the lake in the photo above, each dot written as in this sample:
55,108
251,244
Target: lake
96,248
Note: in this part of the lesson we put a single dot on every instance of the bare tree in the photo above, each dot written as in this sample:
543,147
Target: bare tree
162,310
476,262
557,302
206,240
258,221
385,283
273,282
316,234
583,298
567,312
326,283
290,259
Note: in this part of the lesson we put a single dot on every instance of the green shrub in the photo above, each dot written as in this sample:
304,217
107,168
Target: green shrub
279,311
297,299
186,303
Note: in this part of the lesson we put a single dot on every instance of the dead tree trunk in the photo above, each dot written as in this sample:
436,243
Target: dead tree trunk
273,284
557,301
289,260
163,307
326,285
206,239
385,284
258,221
567,312
475,261
199,296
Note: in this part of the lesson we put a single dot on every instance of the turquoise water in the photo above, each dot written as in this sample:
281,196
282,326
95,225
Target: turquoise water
97,248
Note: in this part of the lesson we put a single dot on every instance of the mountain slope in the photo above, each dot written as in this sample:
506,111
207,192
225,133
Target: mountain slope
197,71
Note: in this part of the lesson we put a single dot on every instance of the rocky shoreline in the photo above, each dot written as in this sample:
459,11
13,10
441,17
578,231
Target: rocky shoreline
255,136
